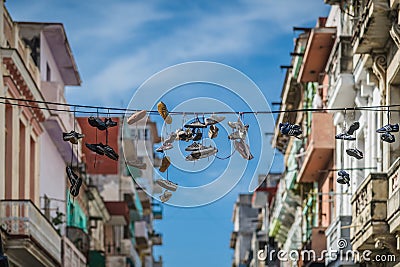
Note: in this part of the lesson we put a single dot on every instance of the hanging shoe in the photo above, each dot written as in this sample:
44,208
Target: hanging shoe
203,152
344,177
74,189
171,138
72,177
137,164
389,128
345,136
290,129
163,111
137,116
164,146
165,164
243,149
213,120
109,152
240,134
236,125
166,184
353,127
96,148
193,156
388,137
109,123
213,132
196,124
354,152
198,135
72,137
97,123
165,196
194,147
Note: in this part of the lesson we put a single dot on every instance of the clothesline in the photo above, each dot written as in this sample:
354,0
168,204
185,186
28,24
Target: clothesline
122,111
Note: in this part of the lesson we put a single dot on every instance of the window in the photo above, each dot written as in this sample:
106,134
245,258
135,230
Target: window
48,73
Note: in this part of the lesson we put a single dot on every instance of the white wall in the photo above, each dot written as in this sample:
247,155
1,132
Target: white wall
46,57
52,174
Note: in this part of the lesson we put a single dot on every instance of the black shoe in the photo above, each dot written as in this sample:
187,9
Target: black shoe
343,180
353,127
389,128
388,137
96,148
72,177
196,124
72,137
290,129
345,136
109,152
354,152
198,136
97,123
110,123
74,190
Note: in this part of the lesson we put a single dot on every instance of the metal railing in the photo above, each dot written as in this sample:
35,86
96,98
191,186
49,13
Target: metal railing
23,218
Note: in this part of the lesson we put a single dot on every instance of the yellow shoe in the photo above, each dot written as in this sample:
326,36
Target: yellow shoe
162,109
165,164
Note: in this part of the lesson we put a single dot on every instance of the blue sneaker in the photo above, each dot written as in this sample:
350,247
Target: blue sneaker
388,137
290,129
389,128
344,177
345,136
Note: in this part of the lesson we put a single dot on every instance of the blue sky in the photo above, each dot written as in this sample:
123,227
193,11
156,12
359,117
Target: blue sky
119,44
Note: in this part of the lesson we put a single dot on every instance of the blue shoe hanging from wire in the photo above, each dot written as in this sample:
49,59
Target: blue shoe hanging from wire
290,129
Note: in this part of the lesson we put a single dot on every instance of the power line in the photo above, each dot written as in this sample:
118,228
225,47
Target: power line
122,111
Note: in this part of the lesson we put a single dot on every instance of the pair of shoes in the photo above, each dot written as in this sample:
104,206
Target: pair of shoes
196,124
164,147
386,132
213,120
137,164
290,129
344,177
165,162
74,180
166,184
354,152
194,147
137,116
202,152
101,125
165,196
348,135
184,135
240,130
243,149
213,132
72,137
164,113
103,150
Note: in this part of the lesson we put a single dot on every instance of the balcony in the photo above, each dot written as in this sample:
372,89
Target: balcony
31,238
157,211
128,250
393,204
369,212
156,239
371,31
317,243
338,229
319,46
59,122
320,148
118,211
79,239
72,257
141,234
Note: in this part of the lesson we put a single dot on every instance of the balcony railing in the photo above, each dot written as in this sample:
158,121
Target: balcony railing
72,257
128,250
393,204
23,219
369,212
80,239
141,234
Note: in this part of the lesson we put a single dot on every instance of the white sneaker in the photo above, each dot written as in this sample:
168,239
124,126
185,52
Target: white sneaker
137,116
213,120
243,149
171,138
213,132
167,184
165,196
137,164
165,146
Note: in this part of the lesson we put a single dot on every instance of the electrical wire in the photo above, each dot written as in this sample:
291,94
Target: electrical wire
122,111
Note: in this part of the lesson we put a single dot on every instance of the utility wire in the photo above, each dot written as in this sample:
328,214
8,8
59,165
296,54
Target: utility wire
122,111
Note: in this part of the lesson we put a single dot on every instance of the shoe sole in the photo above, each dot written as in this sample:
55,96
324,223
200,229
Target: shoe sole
352,154
136,117
95,149
354,127
165,163
166,186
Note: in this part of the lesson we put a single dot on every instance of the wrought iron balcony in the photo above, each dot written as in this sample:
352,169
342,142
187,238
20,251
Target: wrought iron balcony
33,239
